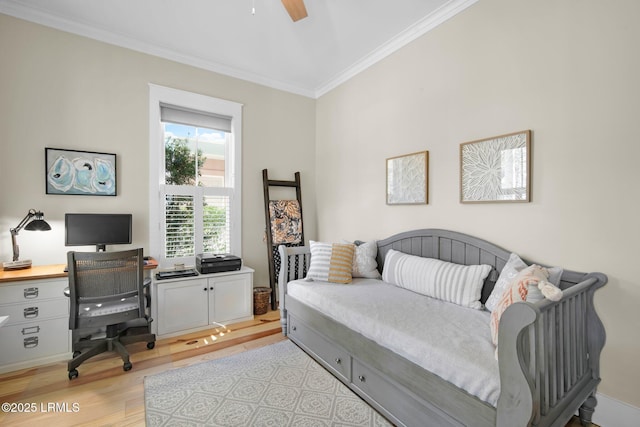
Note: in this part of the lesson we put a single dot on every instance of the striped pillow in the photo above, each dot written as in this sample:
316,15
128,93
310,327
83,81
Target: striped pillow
331,262
456,283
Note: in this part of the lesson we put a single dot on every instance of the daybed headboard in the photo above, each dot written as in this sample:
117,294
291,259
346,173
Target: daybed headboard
448,246
460,248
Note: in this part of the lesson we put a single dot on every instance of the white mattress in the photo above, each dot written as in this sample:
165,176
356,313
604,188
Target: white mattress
450,341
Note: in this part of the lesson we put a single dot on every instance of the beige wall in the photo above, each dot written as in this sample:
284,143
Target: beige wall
567,70
64,91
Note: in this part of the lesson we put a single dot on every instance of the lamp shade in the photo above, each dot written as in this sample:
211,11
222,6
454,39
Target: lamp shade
38,225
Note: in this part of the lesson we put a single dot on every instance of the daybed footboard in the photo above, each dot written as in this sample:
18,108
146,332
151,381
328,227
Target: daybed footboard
549,355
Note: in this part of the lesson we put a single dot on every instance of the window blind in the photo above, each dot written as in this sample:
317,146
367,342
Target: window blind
216,224
185,116
180,225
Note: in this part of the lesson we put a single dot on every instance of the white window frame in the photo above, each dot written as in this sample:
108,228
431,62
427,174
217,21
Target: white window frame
163,95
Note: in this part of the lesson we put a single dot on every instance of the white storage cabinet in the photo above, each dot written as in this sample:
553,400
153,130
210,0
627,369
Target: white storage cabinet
189,304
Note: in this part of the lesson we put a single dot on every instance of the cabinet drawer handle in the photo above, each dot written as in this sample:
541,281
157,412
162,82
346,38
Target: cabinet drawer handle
31,312
294,328
338,360
362,378
30,330
30,342
30,293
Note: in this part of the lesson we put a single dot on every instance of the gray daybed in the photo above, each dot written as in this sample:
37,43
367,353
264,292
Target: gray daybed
547,366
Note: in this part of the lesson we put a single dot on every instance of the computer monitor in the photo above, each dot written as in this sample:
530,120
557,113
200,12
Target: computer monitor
97,229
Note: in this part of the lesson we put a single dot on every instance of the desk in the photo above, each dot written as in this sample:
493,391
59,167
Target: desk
52,271
36,330
34,273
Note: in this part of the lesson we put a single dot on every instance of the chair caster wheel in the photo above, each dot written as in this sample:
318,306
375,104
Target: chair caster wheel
127,366
73,374
151,345
76,354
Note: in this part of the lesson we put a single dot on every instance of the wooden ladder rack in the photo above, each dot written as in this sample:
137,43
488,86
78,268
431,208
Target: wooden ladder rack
271,250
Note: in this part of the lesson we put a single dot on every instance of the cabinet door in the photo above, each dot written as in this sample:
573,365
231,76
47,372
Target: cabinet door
232,297
182,306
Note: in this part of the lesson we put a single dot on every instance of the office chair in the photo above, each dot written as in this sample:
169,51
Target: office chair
106,290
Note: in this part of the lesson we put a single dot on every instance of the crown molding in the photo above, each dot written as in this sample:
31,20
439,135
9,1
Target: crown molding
18,10
420,28
447,11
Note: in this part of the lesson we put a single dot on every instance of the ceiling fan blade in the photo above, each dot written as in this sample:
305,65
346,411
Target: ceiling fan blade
296,9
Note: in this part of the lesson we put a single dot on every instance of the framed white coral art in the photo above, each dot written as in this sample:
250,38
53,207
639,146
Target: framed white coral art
496,169
407,179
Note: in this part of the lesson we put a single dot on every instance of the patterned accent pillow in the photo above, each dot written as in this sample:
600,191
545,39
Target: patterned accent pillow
456,283
510,270
517,292
364,260
331,262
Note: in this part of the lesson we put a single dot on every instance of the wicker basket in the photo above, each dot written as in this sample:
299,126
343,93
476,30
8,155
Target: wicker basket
261,300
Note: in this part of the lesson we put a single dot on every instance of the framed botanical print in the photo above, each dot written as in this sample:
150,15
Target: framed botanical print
407,179
496,169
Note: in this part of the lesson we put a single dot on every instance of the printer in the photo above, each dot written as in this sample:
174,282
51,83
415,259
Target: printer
217,263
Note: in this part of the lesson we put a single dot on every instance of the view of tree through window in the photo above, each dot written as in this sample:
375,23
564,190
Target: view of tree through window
181,166
195,173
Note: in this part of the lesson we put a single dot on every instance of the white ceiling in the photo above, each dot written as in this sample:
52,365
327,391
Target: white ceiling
310,57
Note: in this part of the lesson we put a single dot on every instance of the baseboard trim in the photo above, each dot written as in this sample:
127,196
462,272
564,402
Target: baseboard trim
34,363
612,412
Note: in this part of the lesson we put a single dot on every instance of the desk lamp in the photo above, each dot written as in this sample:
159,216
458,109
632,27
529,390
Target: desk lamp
37,224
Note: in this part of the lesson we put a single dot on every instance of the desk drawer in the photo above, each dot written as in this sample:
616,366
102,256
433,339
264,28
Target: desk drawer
32,290
337,359
33,340
35,310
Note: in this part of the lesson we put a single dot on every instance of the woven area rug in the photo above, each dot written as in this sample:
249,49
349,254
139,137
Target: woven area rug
277,385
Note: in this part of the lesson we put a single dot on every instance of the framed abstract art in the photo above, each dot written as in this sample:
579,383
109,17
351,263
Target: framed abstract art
80,172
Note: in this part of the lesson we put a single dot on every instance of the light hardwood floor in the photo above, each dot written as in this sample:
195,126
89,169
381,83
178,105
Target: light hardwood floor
105,395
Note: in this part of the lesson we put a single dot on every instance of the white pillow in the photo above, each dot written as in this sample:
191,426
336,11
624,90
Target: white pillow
330,262
364,260
510,270
456,283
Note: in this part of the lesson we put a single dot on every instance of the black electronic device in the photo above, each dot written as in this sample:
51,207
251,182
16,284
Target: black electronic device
85,229
217,263
174,274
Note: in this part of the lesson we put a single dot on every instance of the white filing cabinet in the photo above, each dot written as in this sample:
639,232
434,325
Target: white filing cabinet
37,330
189,304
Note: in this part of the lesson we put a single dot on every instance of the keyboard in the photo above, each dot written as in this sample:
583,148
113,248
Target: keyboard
173,274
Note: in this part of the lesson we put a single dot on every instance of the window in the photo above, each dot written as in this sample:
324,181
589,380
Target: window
195,175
